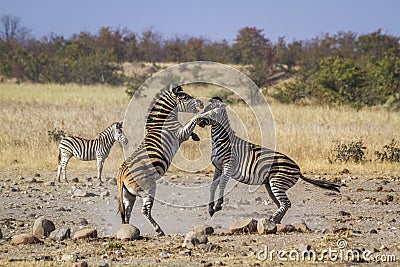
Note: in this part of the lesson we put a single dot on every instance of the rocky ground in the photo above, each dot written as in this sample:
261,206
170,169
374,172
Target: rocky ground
364,217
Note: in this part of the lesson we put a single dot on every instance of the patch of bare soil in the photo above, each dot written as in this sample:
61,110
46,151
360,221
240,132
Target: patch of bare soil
364,217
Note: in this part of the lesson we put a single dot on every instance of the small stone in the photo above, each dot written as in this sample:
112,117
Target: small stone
75,180
344,213
304,247
1,234
265,226
42,227
379,189
202,229
80,193
389,198
243,226
285,228
218,262
164,255
52,183
24,239
69,258
31,180
187,252
60,234
85,233
302,227
104,194
202,239
128,232
82,264
190,240
36,175
373,231
83,221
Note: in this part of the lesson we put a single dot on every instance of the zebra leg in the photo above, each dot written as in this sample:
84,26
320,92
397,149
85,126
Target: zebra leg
62,167
146,211
279,191
100,163
213,188
222,184
128,200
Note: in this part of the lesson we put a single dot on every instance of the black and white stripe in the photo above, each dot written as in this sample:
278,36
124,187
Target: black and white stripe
89,149
249,163
137,176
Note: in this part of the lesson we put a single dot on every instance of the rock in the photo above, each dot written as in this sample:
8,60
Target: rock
42,227
83,221
285,228
36,175
85,233
187,252
191,240
164,255
265,226
379,189
302,227
344,213
373,231
75,180
243,226
304,247
82,264
104,194
389,198
202,229
69,258
60,234
24,239
203,239
31,180
80,193
52,183
128,232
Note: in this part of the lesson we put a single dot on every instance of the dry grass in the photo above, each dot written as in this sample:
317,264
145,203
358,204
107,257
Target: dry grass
306,134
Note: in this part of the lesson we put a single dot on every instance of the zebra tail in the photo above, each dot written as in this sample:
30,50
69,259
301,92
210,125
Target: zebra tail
121,208
322,184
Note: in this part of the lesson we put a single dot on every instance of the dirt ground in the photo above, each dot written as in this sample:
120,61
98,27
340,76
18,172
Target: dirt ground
366,214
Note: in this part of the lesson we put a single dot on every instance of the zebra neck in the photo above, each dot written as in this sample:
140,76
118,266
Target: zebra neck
164,110
222,133
106,138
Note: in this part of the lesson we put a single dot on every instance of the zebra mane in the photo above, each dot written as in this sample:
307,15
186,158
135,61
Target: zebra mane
156,99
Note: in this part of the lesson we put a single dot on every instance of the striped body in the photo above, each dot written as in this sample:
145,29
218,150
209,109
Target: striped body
137,176
89,149
249,163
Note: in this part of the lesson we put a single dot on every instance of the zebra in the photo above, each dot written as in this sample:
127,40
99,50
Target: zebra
164,134
249,163
89,149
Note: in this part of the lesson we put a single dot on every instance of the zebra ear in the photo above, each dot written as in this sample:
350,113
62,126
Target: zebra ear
176,89
118,125
216,99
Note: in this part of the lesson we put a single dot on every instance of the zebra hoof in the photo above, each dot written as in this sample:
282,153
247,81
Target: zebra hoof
160,233
217,208
211,212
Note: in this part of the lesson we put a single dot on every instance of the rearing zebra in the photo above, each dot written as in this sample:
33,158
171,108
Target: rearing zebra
249,163
138,174
89,149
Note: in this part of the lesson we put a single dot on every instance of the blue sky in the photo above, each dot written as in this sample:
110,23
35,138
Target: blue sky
217,20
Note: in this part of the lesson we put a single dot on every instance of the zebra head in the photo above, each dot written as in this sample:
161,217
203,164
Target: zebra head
119,134
214,113
185,102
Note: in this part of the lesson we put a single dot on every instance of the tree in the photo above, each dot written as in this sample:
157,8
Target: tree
12,30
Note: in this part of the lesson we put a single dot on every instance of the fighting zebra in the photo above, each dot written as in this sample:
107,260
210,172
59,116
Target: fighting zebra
164,134
249,163
89,149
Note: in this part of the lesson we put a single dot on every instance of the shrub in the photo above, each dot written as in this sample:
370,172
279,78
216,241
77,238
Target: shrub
390,153
353,151
56,135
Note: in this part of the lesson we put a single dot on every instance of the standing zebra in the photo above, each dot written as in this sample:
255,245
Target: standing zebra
249,163
94,149
138,174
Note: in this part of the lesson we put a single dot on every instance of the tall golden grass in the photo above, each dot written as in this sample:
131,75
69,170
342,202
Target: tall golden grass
305,133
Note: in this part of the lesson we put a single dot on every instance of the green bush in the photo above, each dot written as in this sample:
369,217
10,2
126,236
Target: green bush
56,135
353,151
